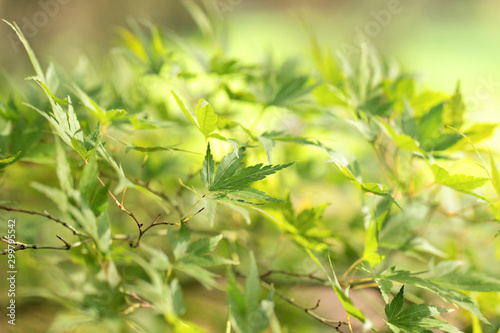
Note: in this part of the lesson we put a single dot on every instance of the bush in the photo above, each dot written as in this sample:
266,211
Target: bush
285,179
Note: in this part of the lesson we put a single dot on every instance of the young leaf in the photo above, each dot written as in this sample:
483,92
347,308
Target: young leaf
396,305
247,175
29,50
458,182
229,164
207,119
181,106
376,219
402,141
247,314
449,294
495,175
207,172
191,257
453,113
414,319
231,178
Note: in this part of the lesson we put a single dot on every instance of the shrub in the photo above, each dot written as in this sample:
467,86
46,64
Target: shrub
282,177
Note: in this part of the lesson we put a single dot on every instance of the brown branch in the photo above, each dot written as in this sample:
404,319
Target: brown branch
141,303
155,223
336,324
23,246
46,215
143,231
147,187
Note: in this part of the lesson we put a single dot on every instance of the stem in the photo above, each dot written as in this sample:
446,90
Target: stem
306,276
23,246
383,165
348,271
336,324
47,215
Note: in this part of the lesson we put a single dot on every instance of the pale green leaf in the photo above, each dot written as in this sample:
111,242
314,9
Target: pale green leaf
495,175
206,117
181,105
458,182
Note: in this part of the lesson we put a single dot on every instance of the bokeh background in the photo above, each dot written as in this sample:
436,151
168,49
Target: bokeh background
440,41
443,41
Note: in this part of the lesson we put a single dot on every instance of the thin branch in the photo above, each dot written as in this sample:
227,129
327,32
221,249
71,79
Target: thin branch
350,269
300,276
23,246
155,223
146,186
141,303
336,324
143,231
47,215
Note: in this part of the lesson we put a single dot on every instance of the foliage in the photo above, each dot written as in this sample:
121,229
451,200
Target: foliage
130,150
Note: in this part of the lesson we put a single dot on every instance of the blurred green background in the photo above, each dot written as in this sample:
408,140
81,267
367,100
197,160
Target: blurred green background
442,42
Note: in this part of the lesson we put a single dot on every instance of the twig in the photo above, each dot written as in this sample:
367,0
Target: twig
47,215
350,269
304,276
147,187
141,303
23,246
143,231
155,223
336,324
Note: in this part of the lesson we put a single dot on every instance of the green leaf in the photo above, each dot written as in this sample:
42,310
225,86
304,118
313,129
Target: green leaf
93,193
247,175
103,116
343,165
252,285
63,170
79,148
207,119
192,256
227,167
415,317
448,274
104,234
207,172
495,175
396,305
449,294
231,179
376,220
402,141
247,192
29,50
430,125
458,182
181,105
480,131
344,299
385,287
10,159
268,145
453,113
247,314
